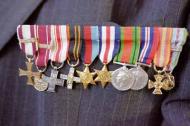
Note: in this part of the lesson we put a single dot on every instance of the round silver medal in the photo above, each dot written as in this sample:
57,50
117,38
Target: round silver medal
40,85
141,78
122,79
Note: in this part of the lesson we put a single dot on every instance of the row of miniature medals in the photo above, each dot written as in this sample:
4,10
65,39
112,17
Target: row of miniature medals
122,79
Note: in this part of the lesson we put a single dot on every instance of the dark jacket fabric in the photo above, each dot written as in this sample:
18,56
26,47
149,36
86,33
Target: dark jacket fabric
22,105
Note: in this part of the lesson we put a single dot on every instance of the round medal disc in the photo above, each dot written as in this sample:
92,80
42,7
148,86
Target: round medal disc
40,85
122,79
141,78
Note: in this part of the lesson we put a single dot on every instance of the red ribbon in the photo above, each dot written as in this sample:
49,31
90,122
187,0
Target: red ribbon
43,34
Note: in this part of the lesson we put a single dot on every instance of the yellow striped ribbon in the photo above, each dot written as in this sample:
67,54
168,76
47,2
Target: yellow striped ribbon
162,56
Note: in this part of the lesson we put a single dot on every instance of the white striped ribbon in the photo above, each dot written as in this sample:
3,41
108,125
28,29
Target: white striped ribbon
59,43
27,39
107,43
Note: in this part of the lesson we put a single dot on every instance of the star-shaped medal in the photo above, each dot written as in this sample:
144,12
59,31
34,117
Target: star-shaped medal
104,76
86,77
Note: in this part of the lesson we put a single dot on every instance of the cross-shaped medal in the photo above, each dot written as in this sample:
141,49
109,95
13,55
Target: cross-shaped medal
29,73
53,80
157,84
70,78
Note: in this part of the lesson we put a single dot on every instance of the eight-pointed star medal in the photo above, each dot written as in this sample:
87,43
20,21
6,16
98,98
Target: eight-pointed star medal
103,76
86,77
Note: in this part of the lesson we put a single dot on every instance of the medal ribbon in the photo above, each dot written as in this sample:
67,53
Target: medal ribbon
130,45
162,56
91,44
60,39
109,43
43,34
75,46
179,38
149,44
27,39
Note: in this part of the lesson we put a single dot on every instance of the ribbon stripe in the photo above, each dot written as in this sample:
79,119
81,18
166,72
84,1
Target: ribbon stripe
59,43
91,44
27,39
130,45
75,46
149,44
126,41
136,46
162,56
178,40
43,33
109,43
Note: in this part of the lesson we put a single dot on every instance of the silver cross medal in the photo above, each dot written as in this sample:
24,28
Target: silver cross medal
53,80
70,78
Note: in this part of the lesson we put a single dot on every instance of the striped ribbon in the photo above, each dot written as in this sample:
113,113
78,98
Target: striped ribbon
75,46
162,56
27,39
59,43
130,45
149,44
90,48
109,43
179,38
44,38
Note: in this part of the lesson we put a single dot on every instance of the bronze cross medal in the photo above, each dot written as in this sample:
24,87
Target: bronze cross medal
29,73
70,78
53,80
157,84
